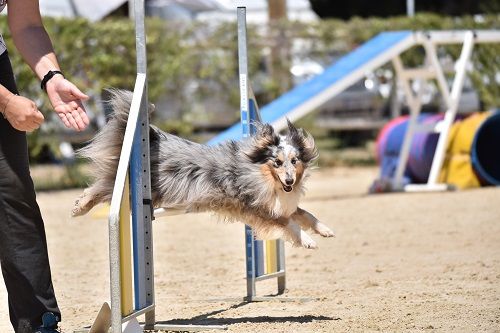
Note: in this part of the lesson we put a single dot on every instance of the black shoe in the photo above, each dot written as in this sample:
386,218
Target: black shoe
49,324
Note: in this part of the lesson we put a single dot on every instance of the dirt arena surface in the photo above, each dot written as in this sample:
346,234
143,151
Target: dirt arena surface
400,262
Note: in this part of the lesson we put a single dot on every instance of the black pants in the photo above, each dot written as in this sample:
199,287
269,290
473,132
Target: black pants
23,246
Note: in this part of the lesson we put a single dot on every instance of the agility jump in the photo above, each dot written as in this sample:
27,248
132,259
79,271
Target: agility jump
130,242
264,259
263,191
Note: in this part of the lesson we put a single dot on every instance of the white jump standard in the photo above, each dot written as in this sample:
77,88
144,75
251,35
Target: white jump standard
130,240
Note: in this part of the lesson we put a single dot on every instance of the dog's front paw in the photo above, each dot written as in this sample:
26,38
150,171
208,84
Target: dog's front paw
323,230
306,241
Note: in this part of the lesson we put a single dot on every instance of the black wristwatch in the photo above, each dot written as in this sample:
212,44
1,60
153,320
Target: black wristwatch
47,77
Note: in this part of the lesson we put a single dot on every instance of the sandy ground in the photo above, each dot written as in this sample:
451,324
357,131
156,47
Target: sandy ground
400,262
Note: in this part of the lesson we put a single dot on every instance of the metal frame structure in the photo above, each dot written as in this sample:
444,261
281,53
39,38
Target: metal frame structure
407,40
254,248
434,71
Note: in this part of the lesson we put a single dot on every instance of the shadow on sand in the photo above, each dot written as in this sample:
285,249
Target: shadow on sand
205,319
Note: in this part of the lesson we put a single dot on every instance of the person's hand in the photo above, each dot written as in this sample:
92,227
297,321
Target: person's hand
22,113
66,99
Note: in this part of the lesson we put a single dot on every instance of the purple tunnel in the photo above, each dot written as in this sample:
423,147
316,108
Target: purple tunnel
422,149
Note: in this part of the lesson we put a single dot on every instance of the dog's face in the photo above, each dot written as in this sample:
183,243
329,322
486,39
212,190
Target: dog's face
283,158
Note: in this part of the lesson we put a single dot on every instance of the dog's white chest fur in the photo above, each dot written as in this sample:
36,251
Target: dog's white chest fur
285,204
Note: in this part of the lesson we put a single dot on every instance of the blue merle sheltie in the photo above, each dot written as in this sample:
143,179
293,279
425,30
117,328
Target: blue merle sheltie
258,181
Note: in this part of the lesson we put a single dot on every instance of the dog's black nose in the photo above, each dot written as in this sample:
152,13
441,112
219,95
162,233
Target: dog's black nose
289,181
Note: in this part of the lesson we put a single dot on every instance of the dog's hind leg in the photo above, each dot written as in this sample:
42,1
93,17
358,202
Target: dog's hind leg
307,221
86,201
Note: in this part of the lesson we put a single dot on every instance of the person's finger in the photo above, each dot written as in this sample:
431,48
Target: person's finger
84,116
64,112
78,120
31,127
25,128
78,106
38,122
72,121
64,119
35,125
38,117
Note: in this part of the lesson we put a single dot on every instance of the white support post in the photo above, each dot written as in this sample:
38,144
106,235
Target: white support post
114,214
456,93
430,50
414,105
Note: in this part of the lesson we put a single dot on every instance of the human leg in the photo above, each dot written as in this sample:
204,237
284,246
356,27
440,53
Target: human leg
23,246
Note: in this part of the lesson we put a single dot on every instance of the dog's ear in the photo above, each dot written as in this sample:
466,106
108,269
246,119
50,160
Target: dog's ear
265,135
259,151
303,141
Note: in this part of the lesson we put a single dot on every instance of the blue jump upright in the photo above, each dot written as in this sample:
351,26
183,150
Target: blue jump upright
264,259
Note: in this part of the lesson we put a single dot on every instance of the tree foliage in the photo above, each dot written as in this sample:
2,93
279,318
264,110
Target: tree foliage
193,66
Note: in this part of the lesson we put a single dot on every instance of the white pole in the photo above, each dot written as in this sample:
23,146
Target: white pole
410,8
131,9
456,92
414,104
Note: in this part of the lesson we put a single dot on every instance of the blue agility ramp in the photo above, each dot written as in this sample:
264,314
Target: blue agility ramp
349,69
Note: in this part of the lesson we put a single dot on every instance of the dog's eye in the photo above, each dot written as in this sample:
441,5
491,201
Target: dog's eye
278,163
294,161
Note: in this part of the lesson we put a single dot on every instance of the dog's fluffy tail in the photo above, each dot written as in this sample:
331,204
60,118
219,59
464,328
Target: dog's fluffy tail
104,149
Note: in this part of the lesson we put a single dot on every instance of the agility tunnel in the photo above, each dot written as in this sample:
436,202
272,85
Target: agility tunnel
388,147
472,158
485,151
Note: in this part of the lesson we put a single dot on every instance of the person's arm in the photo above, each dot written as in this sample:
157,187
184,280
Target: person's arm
34,44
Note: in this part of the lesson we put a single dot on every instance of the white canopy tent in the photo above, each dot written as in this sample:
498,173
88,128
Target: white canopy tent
95,10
